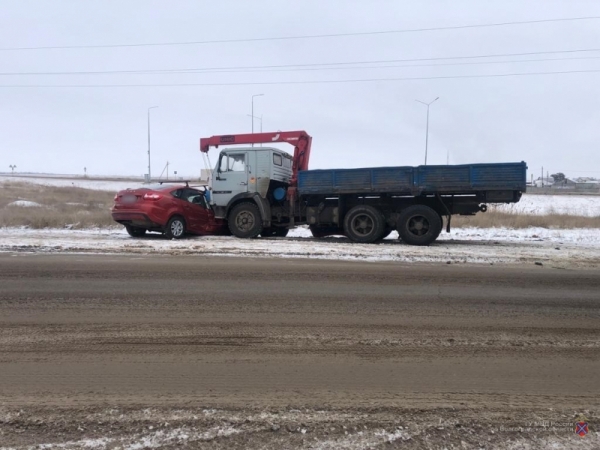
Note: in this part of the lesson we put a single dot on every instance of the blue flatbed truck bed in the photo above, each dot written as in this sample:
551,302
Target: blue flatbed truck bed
455,179
368,203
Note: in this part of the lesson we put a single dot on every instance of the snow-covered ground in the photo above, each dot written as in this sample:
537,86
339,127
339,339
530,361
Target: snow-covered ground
574,205
557,248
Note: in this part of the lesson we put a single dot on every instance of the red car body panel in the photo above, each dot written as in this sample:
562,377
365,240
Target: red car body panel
152,208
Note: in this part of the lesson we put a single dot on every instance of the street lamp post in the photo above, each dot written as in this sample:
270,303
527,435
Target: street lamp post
255,95
259,118
252,115
149,170
427,126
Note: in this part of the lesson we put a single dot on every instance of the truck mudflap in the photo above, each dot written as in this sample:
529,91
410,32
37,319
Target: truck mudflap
265,209
447,211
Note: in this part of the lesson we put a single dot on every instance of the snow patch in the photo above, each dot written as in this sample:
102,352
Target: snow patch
25,204
156,439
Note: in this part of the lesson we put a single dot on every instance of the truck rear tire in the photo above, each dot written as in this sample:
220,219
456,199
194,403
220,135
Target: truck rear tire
419,225
244,220
364,224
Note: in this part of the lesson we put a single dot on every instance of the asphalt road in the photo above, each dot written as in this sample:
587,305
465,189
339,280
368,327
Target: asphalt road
79,333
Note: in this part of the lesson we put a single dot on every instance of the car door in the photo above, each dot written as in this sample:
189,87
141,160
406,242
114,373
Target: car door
231,178
196,212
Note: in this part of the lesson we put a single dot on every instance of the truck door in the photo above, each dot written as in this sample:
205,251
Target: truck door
231,177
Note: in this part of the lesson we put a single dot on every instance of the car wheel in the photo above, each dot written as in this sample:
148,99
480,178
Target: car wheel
244,220
175,228
419,225
364,224
134,231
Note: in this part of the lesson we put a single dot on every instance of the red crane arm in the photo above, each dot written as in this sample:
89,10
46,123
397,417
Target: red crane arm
299,139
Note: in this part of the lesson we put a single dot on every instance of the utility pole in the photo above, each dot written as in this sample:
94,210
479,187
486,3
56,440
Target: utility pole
149,169
427,126
542,176
12,168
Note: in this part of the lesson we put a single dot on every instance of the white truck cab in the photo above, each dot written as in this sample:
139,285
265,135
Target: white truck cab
245,171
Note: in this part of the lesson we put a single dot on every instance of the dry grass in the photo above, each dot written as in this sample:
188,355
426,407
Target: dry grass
61,206
498,219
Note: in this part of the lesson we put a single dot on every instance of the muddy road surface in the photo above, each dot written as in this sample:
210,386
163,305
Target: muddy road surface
116,352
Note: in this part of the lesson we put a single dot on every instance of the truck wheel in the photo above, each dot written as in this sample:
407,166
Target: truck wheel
364,224
175,228
244,220
419,225
135,232
275,232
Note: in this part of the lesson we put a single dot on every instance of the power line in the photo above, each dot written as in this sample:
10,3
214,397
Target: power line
299,69
313,36
263,83
302,69
316,66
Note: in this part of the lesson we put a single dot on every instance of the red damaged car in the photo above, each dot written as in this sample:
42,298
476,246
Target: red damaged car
174,210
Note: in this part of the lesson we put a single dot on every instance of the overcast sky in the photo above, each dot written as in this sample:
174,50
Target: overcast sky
545,120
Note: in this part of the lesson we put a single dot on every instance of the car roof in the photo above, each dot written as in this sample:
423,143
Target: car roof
163,186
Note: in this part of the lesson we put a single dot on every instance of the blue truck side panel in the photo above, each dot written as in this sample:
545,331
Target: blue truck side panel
456,179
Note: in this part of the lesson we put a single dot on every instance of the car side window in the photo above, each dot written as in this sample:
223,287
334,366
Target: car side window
195,197
237,162
233,162
177,193
277,159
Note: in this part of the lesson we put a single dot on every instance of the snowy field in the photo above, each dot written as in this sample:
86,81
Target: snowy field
574,205
89,183
555,248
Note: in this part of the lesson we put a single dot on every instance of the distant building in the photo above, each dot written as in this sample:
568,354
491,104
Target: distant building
204,175
564,184
587,183
543,182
